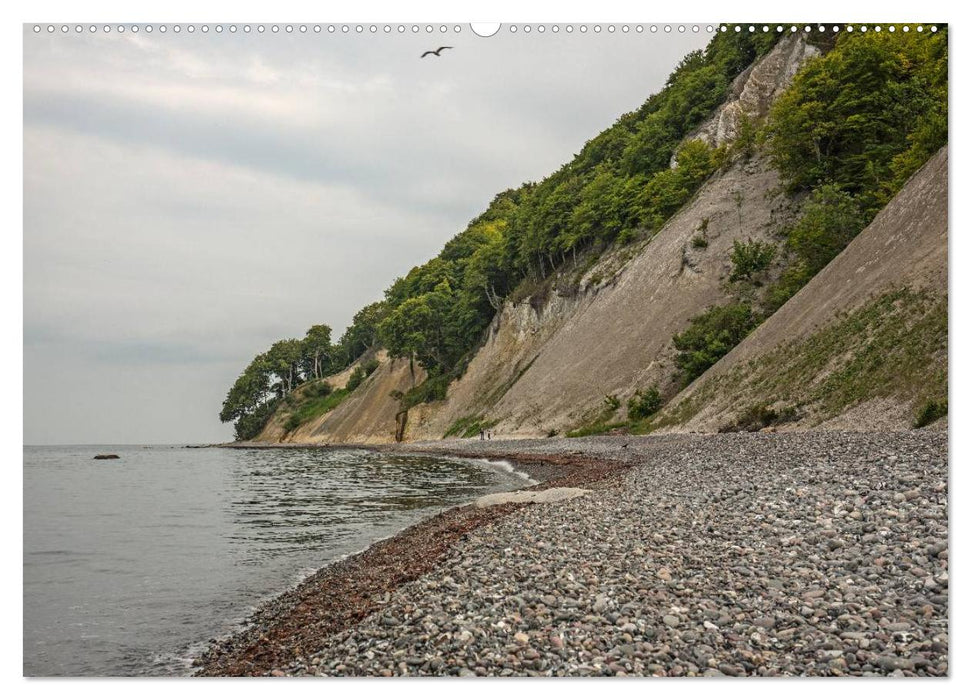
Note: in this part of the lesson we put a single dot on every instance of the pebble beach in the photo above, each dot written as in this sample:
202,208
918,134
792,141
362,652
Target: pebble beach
765,554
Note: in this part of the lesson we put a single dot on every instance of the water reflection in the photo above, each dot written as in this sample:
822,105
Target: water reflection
313,498
127,567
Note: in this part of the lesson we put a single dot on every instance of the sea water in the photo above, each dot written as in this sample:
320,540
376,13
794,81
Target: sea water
131,565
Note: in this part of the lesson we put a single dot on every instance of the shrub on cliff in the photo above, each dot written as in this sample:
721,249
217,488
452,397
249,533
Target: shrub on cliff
644,403
710,336
930,412
360,373
749,258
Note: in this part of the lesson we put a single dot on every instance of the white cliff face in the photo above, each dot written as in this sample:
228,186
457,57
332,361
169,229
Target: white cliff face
904,247
754,91
546,365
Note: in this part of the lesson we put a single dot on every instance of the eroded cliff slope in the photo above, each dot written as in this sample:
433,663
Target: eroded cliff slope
863,345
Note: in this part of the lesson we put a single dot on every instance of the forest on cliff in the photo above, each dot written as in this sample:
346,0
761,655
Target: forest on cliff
856,122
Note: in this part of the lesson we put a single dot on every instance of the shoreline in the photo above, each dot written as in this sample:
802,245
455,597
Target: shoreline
343,592
748,554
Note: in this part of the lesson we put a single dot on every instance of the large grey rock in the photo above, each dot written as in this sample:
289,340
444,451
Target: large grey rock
547,496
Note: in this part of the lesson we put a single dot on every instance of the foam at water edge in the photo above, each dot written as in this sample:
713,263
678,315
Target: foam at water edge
503,465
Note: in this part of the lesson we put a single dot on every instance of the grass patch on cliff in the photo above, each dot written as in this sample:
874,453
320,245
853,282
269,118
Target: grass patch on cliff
597,428
469,426
640,408
893,346
930,411
313,406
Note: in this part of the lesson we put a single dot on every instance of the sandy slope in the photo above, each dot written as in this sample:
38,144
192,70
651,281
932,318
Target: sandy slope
904,247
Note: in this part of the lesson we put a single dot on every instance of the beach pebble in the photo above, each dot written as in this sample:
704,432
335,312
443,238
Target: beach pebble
768,554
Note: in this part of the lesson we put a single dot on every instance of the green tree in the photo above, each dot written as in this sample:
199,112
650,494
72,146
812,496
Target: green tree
362,334
317,351
851,114
601,213
831,219
248,403
485,272
248,391
668,190
405,331
644,403
284,358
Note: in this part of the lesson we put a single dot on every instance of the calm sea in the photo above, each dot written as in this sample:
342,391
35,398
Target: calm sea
131,565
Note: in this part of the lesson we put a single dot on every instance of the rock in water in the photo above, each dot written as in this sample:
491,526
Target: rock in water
107,457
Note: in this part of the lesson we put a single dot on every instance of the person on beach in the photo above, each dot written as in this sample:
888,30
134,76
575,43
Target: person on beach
482,435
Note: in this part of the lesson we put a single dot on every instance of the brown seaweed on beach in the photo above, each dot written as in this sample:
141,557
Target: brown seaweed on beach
338,596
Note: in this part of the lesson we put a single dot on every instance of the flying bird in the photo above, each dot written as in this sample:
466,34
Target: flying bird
438,51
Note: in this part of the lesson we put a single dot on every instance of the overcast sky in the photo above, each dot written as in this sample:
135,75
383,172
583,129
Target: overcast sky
189,199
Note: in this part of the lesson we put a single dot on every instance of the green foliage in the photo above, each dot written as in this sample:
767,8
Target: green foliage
863,116
354,381
469,426
893,346
249,425
611,402
248,392
314,406
316,351
284,359
710,336
923,142
747,137
791,281
699,242
426,328
644,403
316,389
668,190
831,219
360,373
930,411
750,258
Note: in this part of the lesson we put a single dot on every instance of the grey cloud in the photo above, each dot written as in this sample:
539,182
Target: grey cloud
189,200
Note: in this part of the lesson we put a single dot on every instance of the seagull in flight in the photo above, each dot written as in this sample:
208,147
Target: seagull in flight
438,51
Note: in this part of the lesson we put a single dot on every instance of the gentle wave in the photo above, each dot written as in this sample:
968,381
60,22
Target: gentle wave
130,571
